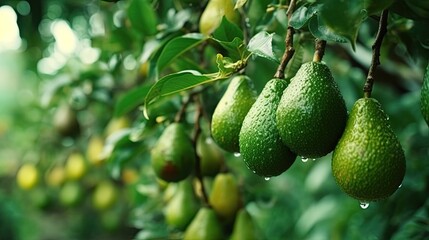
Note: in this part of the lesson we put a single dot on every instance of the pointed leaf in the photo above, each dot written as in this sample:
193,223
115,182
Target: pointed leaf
142,16
303,14
227,31
261,45
321,31
131,100
343,17
177,47
177,82
236,49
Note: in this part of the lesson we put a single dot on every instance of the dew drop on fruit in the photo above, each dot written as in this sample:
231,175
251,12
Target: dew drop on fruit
364,205
304,159
267,178
237,154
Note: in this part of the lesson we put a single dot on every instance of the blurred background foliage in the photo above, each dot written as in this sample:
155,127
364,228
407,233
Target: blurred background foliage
94,60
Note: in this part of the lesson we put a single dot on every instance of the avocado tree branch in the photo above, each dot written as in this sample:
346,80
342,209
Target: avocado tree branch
196,134
319,50
289,50
181,113
375,61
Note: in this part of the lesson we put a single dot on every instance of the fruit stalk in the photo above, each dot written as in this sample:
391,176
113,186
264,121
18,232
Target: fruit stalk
319,50
375,61
289,50
197,132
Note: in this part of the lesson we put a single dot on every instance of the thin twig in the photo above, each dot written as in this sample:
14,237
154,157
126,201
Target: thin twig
289,50
181,113
319,50
196,134
375,61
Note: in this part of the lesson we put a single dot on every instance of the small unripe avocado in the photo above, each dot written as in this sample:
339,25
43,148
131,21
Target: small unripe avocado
225,196
182,207
230,112
173,156
205,226
214,12
65,121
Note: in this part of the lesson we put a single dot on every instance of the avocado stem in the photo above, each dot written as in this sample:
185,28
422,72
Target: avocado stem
197,132
289,50
375,61
319,50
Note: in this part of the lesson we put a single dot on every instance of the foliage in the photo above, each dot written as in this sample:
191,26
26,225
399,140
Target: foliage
131,67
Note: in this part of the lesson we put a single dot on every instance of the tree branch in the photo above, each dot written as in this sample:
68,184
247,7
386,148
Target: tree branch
382,30
181,113
196,134
289,50
319,50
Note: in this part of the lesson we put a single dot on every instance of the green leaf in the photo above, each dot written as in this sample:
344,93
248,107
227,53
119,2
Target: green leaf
227,31
142,16
343,17
177,82
321,31
236,49
227,66
178,46
261,45
303,14
131,100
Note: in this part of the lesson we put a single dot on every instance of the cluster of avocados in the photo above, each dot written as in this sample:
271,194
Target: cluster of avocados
307,117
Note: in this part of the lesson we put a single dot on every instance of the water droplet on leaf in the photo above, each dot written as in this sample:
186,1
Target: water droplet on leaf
237,154
304,159
364,205
267,178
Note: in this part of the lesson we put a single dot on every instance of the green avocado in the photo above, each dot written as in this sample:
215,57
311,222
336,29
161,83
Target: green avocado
260,144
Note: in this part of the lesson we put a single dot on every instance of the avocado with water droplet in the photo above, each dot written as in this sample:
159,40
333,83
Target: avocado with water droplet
311,115
260,144
230,112
368,162
173,156
424,96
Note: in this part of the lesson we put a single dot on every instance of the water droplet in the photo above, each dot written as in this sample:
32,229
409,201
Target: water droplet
400,185
254,172
364,205
304,159
314,159
267,178
237,154
387,118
